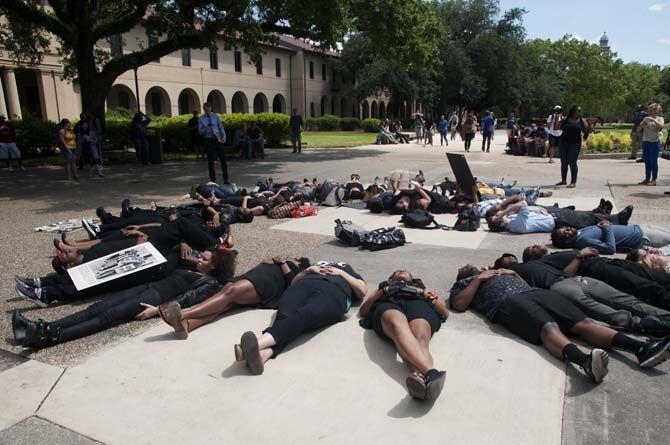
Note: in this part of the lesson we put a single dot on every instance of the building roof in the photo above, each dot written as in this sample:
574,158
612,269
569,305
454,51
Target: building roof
295,44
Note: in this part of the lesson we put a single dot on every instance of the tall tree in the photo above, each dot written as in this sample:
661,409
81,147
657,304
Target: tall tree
78,26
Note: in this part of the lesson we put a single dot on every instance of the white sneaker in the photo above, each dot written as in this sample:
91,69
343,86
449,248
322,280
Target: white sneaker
10,169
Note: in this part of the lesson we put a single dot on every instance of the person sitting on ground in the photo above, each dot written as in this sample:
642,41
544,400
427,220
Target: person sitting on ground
255,141
395,128
540,138
319,296
261,286
138,302
628,277
518,217
544,318
609,238
404,312
384,137
595,298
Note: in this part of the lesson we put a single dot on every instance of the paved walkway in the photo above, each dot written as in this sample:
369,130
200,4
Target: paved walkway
136,384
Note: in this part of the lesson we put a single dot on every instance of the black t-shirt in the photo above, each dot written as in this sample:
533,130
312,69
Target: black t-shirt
560,260
334,279
539,274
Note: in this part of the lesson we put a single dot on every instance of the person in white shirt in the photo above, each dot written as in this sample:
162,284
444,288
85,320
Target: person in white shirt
554,130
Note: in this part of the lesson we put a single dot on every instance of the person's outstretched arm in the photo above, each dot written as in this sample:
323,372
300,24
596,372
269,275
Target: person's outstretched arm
367,304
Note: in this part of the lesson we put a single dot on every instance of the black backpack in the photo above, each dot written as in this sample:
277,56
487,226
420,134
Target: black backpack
350,233
468,220
421,219
384,238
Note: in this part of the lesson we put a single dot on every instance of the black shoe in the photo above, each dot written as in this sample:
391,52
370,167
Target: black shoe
104,216
596,365
91,229
125,206
653,326
35,295
625,214
40,334
19,326
30,282
640,160
654,353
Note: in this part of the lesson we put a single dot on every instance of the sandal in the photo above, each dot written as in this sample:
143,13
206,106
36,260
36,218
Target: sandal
416,386
434,383
171,314
561,183
251,353
571,185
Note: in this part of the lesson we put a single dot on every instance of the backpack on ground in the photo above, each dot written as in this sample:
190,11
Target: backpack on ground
421,219
349,233
439,203
384,238
331,194
468,220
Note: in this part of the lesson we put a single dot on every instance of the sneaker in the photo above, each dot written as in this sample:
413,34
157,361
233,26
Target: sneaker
596,365
34,295
378,181
653,326
92,229
640,160
654,353
30,282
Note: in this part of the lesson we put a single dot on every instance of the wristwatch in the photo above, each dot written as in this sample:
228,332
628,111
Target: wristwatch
580,256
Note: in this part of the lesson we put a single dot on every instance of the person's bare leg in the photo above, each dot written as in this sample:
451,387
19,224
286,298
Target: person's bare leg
82,245
554,340
396,327
422,332
595,334
233,293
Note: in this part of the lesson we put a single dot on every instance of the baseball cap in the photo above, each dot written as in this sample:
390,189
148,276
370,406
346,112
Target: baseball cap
558,107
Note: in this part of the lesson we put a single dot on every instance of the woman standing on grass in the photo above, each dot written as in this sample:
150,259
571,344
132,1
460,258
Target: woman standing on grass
573,128
651,127
68,147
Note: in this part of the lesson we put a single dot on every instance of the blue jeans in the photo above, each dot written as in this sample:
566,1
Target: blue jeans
257,145
650,156
569,154
296,136
531,195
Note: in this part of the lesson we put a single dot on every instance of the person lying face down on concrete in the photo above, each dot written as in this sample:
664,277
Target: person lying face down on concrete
319,296
595,298
516,216
138,302
261,286
179,233
543,317
625,276
608,238
402,311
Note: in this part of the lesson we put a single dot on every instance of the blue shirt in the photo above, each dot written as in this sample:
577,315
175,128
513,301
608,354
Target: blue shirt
610,239
487,124
637,119
210,125
530,220
443,126
453,120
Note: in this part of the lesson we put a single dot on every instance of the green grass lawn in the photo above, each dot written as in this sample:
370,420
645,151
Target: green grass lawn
329,139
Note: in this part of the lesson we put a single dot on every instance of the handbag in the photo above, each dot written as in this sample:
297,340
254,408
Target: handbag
384,238
304,210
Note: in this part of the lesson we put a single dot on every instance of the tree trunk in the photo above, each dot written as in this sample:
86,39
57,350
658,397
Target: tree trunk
93,96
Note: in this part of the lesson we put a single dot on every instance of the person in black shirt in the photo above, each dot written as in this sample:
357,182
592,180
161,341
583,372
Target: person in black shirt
597,299
261,286
404,312
196,139
296,125
544,317
319,296
136,302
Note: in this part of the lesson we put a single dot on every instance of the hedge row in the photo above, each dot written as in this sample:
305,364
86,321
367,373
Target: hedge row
330,122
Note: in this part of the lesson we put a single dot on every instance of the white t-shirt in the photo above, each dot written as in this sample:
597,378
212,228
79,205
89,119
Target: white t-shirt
552,124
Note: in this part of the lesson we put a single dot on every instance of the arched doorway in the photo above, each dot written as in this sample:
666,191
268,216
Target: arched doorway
311,109
366,109
239,104
324,105
278,104
382,110
120,96
218,102
373,110
188,101
333,103
157,102
343,107
260,103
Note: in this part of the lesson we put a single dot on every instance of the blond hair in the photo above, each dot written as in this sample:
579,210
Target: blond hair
654,108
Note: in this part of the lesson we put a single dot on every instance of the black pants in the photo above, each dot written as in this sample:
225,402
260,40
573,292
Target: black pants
138,220
468,140
444,137
121,306
628,282
305,306
569,154
486,141
580,219
215,150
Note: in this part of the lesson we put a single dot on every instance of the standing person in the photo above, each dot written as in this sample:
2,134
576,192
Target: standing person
138,134
651,127
83,137
488,126
68,147
8,148
469,129
418,128
95,128
635,136
443,128
453,124
196,140
80,143
510,124
573,128
429,126
553,123
296,125
211,129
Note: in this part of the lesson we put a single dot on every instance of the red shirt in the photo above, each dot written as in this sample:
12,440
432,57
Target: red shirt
7,132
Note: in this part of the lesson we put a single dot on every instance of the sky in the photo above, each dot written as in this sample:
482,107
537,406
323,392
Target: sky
639,30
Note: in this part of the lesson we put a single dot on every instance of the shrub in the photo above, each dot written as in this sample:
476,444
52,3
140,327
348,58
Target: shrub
116,133
371,125
609,142
349,124
35,136
327,122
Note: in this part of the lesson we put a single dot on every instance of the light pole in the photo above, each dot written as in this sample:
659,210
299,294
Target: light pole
137,90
